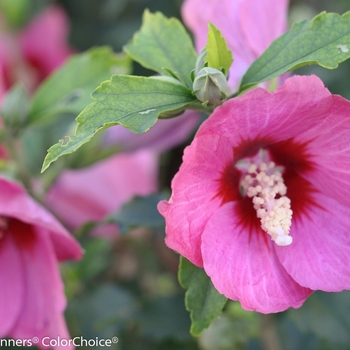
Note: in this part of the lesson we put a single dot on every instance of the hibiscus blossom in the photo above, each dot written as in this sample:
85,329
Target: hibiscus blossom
262,201
44,42
36,51
249,27
93,192
32,242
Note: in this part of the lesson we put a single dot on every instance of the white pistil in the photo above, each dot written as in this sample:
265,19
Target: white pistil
264,183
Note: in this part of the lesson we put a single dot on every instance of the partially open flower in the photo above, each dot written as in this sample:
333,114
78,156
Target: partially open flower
31,55
44,42
93,192
262,199
32,242
249,27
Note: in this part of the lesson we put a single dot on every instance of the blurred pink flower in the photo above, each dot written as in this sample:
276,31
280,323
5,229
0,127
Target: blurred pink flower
89,194
36,51
165,134
249,27
10,58
44,42
32,242
254,160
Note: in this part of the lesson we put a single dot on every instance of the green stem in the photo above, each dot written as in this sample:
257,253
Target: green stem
199,107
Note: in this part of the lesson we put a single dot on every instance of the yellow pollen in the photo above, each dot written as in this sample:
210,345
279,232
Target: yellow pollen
263,183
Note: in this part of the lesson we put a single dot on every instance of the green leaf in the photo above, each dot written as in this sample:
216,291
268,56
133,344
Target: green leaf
218,54
163,45
325,41
68,90
139,212
16,12
131,101
203,301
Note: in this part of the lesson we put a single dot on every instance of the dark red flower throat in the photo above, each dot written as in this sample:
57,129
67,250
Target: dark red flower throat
296,162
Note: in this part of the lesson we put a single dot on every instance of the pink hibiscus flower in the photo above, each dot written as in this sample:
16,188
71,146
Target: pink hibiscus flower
92,193
10,63
32,241
44,42
261,201
36,51
249,27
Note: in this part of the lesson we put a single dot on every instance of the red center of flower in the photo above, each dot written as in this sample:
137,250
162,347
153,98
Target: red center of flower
22,233
295,161
3,226
262,181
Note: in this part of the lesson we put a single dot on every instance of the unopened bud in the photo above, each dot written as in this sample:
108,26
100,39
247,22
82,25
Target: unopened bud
210,86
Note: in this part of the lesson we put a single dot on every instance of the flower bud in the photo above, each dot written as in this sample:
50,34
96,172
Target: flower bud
210,86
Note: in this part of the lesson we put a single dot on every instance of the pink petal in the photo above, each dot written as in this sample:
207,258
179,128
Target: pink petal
195,194
318,258
328,145
10,59
11,282
92,193
224,14
243,265
161,137
271,117
263,22
44,300
16,203
44,40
